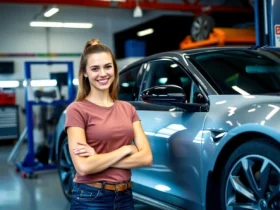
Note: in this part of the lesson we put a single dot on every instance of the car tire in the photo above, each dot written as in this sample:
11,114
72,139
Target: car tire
250,179
201,27
66,169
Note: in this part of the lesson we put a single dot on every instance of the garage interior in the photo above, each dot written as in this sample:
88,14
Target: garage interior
51,53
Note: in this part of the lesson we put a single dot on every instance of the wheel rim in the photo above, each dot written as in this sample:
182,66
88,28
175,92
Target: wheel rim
253,183
66,170
200,29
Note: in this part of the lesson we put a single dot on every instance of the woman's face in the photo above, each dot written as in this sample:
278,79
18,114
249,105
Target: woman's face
100,71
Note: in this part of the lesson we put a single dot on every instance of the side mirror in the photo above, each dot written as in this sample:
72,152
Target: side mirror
164,94
199,98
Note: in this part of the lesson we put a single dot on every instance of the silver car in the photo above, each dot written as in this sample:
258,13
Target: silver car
212,117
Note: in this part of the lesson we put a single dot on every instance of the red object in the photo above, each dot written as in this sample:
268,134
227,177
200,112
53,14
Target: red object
7,98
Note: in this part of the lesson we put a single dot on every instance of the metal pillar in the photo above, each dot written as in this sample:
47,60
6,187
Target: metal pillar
267,22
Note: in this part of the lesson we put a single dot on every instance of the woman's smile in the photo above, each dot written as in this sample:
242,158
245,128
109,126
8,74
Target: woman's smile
103,81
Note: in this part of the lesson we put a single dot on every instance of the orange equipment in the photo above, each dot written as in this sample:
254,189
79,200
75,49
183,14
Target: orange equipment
222,37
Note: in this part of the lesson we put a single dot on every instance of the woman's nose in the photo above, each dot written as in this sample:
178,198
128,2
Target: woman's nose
102,72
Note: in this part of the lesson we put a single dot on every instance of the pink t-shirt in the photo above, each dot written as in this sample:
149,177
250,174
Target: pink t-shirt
106,129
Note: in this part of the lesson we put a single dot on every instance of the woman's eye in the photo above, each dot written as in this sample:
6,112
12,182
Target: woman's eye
108,67
94,69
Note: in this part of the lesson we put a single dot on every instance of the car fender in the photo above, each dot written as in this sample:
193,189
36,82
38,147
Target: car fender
233,134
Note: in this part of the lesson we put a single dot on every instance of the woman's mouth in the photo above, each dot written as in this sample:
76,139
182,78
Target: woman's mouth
103,81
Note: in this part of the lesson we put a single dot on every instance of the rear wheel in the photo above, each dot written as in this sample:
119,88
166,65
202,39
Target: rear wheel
251,178
66,169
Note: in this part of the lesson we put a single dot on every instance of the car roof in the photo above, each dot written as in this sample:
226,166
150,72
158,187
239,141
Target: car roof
186,52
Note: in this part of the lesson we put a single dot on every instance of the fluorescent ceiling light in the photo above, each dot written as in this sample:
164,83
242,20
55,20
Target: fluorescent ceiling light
145,32
60,24
51,12
75,82
42,83
9,84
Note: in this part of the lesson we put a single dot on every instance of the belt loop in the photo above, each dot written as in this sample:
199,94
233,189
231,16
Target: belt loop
116,189
103,186
126,185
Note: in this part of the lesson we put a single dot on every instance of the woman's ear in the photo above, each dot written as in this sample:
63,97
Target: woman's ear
85,75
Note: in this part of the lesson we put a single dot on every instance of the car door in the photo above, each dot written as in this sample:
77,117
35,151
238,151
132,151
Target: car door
175,140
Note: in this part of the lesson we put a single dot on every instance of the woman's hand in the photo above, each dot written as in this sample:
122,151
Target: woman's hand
133,149
84,150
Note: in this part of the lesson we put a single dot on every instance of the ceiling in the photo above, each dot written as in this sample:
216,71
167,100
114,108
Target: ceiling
195,6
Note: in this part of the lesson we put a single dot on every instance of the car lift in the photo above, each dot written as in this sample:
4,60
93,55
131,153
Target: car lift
29,165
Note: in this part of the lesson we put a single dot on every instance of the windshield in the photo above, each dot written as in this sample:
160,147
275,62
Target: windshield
241,72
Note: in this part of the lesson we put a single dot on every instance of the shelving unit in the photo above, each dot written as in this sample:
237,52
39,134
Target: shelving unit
9,122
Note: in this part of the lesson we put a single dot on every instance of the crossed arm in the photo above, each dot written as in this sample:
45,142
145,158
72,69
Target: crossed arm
87,161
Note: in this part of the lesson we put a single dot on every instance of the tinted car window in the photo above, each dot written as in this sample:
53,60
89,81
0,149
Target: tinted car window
128,84
242,72
165,72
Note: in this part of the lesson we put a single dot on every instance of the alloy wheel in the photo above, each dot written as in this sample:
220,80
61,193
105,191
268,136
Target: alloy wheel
253,183
201,27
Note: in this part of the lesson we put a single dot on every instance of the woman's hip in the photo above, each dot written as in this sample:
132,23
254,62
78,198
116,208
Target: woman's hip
85,196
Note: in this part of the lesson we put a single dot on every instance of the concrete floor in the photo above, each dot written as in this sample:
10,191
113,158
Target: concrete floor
41,193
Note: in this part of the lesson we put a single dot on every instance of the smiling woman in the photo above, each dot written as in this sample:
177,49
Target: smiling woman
100,147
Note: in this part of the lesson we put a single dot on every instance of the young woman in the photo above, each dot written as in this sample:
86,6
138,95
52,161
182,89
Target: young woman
100,132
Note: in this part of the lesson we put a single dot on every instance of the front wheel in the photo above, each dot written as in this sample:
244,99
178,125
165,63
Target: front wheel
66,169
251,178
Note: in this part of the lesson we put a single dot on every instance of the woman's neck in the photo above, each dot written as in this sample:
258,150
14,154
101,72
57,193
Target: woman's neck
100,98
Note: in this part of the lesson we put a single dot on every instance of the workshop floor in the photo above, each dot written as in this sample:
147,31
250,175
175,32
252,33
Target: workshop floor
41,193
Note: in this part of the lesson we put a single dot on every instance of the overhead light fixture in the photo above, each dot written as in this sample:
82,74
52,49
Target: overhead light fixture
145,32
9,84
137,11
75,82
60,24
51,12
41,83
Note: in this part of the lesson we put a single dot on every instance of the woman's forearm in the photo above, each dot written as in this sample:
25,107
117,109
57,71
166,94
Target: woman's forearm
138,159
99,162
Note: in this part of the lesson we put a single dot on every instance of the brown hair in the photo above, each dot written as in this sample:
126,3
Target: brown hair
92,47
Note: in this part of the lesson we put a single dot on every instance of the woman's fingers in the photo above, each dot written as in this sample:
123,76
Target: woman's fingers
84,154
83,150
79,150
81,143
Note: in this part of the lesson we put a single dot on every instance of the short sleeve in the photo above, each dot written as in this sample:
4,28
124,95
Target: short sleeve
135,116
74,117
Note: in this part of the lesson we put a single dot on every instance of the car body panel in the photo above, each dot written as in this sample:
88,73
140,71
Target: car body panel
171,135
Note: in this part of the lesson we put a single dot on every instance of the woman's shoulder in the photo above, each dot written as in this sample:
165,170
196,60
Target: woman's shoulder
125,104
76,105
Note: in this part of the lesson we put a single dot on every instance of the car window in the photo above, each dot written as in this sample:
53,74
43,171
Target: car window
129,89
242,72
163,72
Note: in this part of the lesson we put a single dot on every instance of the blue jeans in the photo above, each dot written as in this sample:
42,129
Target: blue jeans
86,197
